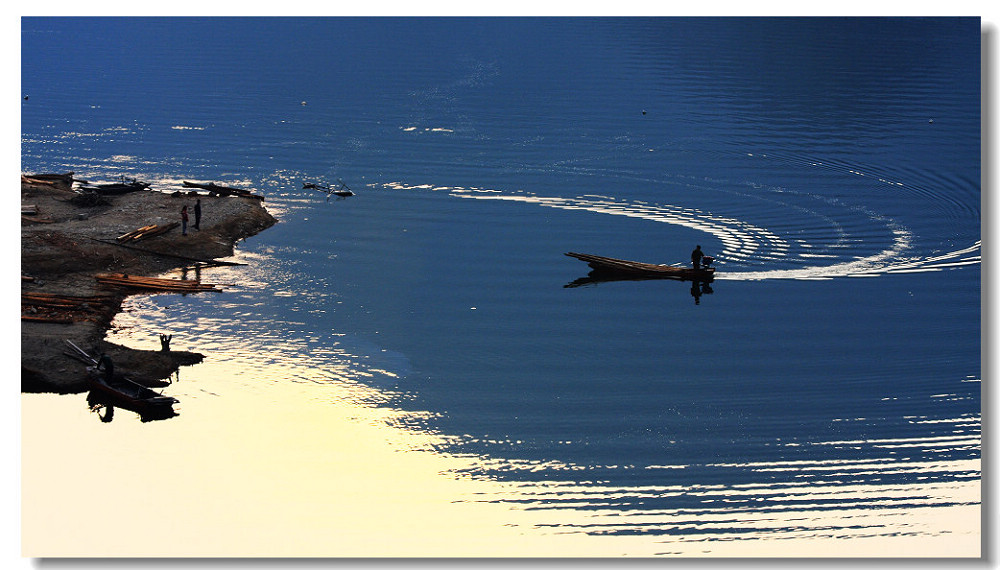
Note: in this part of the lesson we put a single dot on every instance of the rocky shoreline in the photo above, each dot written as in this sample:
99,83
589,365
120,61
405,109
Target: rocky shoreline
69,238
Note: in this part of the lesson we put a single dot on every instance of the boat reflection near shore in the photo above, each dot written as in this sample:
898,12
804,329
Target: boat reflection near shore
105,395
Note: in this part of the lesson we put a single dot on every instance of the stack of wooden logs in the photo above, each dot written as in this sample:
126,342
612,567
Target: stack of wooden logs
30,213
65,309
147,231
155,283
49,179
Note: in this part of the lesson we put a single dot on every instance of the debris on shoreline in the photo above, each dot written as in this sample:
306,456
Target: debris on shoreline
79,264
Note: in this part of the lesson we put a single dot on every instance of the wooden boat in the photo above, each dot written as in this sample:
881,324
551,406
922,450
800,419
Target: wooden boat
342,191
155,283
116,188
121,391
125,394
128,394
609,267
50,178
216,189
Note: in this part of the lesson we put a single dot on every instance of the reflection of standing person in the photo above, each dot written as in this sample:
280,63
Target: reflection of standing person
696,256
184,220
197,214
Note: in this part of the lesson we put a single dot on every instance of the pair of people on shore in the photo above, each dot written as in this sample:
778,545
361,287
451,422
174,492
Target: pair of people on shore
197,217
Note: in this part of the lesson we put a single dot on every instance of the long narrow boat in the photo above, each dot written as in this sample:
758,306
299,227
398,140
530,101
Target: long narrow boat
115,188
621,268
216,189
49,178
121,391
155,283
128,394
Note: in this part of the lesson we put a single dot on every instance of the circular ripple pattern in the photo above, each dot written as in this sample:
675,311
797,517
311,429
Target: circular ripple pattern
812,236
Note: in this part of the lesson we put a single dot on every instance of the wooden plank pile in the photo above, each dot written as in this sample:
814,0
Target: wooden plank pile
63,309
49,179
155,283
30,213
147,231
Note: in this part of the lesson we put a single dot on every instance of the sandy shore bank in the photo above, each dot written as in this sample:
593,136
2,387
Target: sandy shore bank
67,241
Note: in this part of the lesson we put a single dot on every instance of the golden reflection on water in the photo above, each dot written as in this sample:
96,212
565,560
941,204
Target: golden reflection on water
274,472
263,467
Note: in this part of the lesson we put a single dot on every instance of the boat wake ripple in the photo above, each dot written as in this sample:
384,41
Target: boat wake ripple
840,247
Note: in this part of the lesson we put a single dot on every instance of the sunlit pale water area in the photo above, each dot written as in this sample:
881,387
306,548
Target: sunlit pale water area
417,371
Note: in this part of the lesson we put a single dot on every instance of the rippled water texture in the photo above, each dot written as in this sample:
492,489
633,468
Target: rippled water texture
408,370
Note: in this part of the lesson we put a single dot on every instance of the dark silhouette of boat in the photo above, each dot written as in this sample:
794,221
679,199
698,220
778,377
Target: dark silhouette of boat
152,408
129,394
341,191
611,269
115,188
218,190
118,390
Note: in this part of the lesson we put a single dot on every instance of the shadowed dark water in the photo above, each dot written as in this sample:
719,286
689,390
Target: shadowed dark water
826,386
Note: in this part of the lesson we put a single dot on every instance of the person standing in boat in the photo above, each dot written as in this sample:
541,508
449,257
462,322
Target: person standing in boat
184,220
197,214
696,256
109,367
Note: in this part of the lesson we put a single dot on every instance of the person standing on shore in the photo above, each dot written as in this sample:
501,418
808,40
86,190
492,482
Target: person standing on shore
184,220
197,214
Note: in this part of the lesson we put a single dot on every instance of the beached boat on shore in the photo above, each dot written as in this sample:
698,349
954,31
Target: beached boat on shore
218,190
115,188
623,269
128,394
49,178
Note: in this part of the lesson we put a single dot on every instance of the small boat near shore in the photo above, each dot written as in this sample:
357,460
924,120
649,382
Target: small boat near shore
341,191
609,267
121,391
155,283
51,178
129,394
216,189
115,188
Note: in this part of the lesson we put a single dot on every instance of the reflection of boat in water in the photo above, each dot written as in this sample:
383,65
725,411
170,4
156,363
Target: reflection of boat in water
124,393
611,269
594,277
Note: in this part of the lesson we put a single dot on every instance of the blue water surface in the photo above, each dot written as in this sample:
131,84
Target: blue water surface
831,165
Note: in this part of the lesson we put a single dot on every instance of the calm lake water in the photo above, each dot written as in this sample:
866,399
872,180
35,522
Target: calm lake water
406,372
